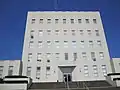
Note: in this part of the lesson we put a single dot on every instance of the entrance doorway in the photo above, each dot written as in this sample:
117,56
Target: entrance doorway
65,74
67,77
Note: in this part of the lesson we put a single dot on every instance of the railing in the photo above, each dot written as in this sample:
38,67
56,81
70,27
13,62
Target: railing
85,86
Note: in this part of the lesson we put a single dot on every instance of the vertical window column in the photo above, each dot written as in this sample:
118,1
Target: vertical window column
28,71
81,32
94,21
66,56
40,32
86,73
47,72
48,43
41,21
10,71
1,71
57,56
33,21
95,70
40,44
82,44
31,44
32,34
39,57
104,70
29,57
99,43
90,43
38,72
84,55
64,21
75,56
57,43
65,44
101,55
56,21
93,56
97,32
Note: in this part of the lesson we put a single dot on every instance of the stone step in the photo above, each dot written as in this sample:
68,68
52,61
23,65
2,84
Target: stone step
91,88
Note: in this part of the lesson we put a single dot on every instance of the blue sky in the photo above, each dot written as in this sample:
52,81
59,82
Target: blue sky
13,15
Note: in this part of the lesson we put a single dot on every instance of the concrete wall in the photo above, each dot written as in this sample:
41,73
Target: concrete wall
116,64
16,67
13,86
116,69
55,74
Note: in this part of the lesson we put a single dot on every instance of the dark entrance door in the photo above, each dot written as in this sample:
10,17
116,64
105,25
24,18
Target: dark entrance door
67,77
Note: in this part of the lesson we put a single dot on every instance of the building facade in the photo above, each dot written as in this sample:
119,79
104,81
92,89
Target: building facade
116,65
65,46
10,67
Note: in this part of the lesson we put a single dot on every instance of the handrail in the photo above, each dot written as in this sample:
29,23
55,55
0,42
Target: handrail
85,85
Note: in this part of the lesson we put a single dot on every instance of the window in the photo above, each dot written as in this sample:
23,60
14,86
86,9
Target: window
84,55
57,43
33,21
104,70
79,21
29,57
39,57
32,34
48,32
57,32
94,21
65,32
56,21
72,21
93,56
65,44
10,71
31,44
47,72
28,71
97,32
48,54
48,60
66,56
38,72
82,44
90,43
41,21
86,73
81,32
101,55
48,21
75,56
57,56
74,44
64,21
48,42
95,70
87,20
99,43
40,43
40,32
73,32
89,32
1,71
48,68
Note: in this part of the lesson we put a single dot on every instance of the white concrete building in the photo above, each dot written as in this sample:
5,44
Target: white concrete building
116,64
10,67
115,76
60,46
